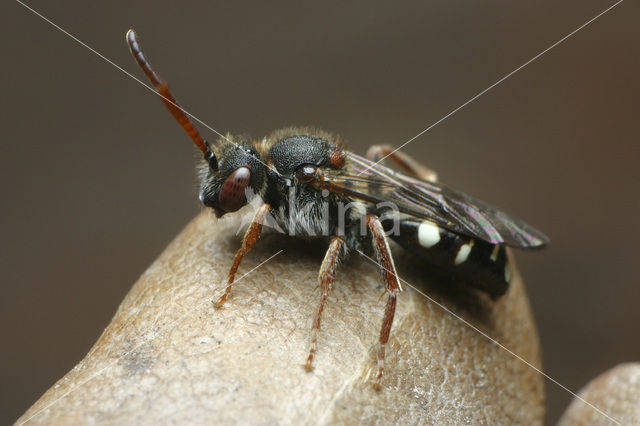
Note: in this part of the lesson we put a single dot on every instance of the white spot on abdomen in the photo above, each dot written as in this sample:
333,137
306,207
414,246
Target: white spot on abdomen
463,252
494,253
428,234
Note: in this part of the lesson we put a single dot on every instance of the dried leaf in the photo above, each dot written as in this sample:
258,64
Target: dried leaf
168,356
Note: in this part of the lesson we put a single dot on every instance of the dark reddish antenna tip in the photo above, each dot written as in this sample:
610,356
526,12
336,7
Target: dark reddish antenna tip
162,88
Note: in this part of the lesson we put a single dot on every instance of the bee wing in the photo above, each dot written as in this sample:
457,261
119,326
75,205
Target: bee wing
435,202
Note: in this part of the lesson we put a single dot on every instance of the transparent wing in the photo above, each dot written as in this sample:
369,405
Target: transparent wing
449,209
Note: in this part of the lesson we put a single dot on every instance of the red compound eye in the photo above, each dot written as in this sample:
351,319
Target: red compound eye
232,196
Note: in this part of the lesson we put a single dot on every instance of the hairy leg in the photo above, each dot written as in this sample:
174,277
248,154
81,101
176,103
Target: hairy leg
248,241
391,283
326,277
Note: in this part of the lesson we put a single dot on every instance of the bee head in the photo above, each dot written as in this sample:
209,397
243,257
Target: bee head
231,177
231,173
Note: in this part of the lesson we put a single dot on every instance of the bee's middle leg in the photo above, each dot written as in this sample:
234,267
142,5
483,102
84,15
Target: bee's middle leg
326,277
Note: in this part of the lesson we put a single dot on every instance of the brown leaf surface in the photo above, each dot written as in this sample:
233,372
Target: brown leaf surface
168,356
615,392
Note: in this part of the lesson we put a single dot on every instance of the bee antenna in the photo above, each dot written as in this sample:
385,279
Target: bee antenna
162,88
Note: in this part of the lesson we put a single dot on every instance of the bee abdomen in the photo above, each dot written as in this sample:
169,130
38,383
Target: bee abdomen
473,262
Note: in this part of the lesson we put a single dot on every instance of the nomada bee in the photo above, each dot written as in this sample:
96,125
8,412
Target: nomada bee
312,187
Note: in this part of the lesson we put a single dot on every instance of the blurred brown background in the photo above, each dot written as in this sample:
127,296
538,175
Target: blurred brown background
97,178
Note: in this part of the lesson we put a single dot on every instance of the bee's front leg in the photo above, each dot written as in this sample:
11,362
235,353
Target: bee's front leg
249,239
326,277
378,152
388,269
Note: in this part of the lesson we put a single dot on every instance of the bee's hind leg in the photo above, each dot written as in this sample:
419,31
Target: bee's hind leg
408,164
391,282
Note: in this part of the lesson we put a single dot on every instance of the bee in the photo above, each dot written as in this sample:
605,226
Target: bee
311,187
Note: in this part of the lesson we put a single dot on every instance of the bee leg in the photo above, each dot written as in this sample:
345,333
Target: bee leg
249,239
391,282
411,166
326,278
